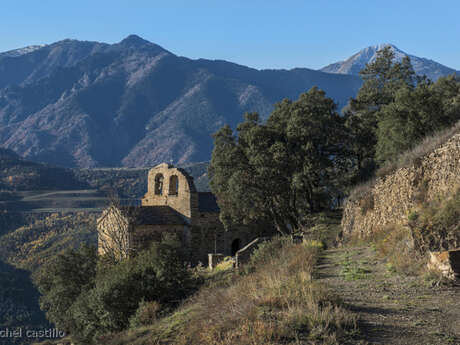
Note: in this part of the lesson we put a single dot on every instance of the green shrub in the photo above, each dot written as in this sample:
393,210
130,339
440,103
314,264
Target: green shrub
266,252
413,216
61,281
146,314
109,299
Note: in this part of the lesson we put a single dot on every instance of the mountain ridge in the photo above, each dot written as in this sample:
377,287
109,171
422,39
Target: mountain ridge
134,103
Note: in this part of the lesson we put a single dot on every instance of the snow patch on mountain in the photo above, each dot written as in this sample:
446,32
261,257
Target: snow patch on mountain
358,61
22,51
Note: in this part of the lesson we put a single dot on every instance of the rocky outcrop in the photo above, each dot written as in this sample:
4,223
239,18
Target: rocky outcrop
391,198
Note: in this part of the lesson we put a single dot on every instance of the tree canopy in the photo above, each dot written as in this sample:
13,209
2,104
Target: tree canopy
87,296
280,170
395,109
305,157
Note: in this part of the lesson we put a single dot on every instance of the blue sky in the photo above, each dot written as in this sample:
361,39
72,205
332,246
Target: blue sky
256,33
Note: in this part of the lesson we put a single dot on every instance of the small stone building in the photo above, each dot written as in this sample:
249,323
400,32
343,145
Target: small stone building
172,206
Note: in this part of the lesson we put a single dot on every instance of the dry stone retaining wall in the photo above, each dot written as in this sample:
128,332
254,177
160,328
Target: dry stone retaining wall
393,197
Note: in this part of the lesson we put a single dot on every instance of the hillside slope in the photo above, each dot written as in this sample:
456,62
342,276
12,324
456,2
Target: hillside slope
18,303
18,174
89,104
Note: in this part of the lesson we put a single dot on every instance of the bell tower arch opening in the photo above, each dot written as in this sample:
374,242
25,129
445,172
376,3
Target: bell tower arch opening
173,185
159,184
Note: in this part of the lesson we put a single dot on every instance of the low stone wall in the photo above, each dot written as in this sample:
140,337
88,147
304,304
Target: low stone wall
392,197
214,260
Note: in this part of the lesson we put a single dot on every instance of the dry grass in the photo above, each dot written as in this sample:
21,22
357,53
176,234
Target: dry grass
406,159
431,226
278,303
395,244
362,189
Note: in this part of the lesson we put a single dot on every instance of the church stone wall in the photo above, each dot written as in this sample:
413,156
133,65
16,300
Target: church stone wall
143,235
204,234
209,236
113,231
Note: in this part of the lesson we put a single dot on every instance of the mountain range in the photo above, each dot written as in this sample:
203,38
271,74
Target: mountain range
134,104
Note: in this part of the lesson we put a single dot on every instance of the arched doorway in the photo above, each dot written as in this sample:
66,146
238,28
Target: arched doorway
236,245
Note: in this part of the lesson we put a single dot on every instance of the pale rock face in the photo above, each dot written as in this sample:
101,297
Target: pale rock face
447,262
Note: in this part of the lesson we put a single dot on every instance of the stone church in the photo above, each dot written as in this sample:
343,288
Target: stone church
173,206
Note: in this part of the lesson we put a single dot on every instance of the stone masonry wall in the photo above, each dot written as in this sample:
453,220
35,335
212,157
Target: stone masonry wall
143,235
113,230
183,200
392,197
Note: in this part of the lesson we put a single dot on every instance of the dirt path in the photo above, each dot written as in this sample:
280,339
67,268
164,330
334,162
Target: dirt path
392,309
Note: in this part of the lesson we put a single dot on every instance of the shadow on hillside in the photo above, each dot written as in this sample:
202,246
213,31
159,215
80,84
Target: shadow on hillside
19,305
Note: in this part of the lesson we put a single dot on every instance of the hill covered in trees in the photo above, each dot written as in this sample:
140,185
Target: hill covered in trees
18,174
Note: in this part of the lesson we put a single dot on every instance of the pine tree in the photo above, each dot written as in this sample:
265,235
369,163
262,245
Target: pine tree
383,78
